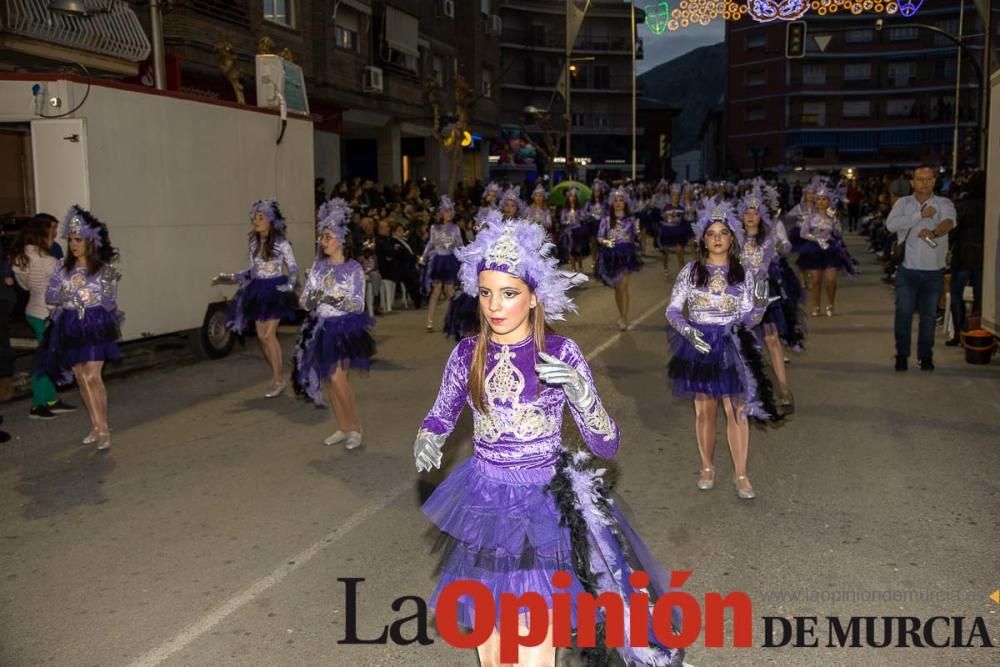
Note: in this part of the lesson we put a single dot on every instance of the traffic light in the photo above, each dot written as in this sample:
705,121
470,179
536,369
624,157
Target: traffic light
795,40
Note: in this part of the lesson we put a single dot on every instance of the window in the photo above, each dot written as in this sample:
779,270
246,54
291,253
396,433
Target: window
487,88
903,34
857,109
602,77
538,35
814,73
278,11
579,119
814,113
860,36
757,77
944,69
900,108
902,74
345,38
484,6
601,122
756,112
538,73
756,40
437,69
857,72
950,26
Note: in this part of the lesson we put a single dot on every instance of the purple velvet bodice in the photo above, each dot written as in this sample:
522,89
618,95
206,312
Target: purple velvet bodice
282,258
444,239
571,218
757,257
523,428
76,290
626,231
716,303
819,227
541,216
345,280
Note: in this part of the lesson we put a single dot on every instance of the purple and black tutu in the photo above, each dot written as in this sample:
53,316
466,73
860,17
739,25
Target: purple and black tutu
576,240
258,301
462,318
671,236
795,237
440,269
512,529
70,340
812,257
785,316
326,343
615,262
734,368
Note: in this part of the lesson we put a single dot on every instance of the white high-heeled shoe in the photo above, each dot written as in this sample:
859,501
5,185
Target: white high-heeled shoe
706,484
276,390
747,493
103,442
91,437
335,439
353,440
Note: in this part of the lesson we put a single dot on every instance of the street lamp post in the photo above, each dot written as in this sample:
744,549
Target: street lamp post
631,28
958,92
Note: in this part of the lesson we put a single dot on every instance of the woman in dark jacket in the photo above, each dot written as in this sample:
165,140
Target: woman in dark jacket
967,251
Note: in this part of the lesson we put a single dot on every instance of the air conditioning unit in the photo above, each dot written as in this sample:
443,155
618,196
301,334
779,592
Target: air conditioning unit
280,81
494,25
445,8
373,80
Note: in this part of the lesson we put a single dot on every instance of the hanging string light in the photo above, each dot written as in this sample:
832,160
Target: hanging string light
771,10
657,17
703,12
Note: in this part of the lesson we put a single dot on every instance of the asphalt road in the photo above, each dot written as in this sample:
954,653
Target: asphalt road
215,531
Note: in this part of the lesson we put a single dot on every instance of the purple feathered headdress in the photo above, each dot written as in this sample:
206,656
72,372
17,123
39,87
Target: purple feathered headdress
334,215
79,222
539,188
491,188
519,248
445,204
755,199
833,193
714,210
269,207
620,192
512,194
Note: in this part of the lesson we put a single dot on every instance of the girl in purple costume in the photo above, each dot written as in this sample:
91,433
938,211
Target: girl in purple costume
715,353
266,295
336,334
595,211
823,254
539,213
440,266
84,327
575,234
618,252
760,257
672,232
511,516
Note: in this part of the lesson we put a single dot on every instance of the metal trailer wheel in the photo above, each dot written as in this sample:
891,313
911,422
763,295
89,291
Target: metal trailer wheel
215,341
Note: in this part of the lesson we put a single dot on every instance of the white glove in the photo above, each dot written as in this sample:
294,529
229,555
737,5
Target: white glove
761,292
554,371
696,339
287,287
427,450
225,279
823,243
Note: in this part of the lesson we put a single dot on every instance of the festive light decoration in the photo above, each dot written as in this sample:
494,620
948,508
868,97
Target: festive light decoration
824,7
770,10
657,17
910,7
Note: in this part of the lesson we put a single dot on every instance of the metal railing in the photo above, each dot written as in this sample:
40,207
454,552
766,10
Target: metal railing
115,32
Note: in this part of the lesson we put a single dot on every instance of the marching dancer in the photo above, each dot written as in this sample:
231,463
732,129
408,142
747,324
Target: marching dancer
539,212
716,357
33,269
511,204
266,294
761,257
823,253
594,213
491,202
440,266
84,327
336,335
575,233
673,233
618,252
523,508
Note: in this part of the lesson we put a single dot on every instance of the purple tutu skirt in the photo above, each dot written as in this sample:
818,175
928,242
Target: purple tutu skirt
439,269
814,258
576,240
785,316
512,529
462,318
671,236
258,301
326,343
70,340
714,374
613,263
795,238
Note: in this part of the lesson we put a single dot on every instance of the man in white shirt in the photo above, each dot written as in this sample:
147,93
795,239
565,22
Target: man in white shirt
921,222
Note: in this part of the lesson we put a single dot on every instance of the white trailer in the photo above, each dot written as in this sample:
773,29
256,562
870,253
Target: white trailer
174,177
991,258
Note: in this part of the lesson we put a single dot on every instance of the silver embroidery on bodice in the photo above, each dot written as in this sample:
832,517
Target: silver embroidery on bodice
508,415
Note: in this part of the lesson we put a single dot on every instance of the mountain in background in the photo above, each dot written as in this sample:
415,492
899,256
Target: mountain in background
695,82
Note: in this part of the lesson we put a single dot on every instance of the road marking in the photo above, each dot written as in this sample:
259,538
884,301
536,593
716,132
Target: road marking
195,630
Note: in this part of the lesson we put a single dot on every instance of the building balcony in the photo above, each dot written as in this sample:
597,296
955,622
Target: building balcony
555,42
596,86
113,38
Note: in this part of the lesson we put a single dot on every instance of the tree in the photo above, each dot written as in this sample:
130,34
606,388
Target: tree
451,136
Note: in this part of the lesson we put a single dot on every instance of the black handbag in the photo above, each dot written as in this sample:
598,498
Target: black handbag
899,251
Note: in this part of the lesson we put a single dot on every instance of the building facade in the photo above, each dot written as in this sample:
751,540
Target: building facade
874,97
533,63
366,65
